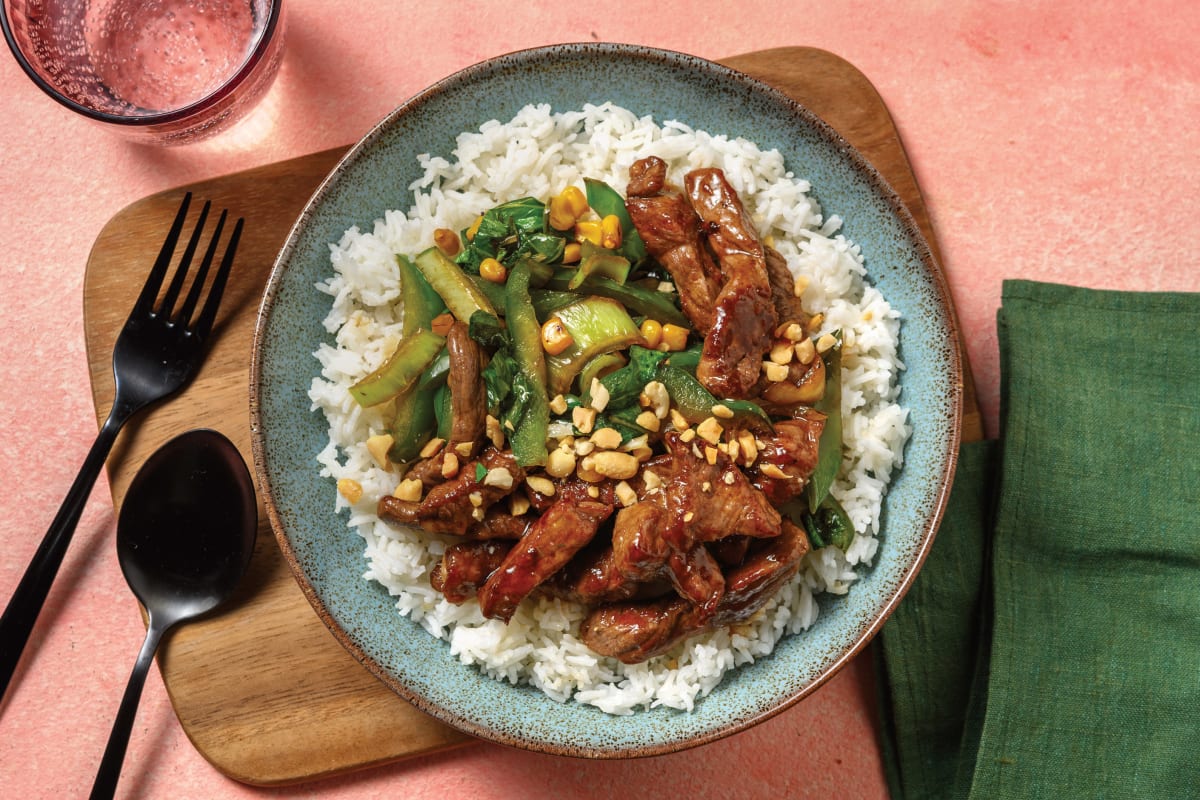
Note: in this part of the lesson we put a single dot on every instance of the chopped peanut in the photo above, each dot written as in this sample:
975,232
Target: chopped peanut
378,447
584,447
689,516
800,285
816,322
794,332
648,420
543,486
476,499
687,435
782,353
625,494
464,449
775,372
449,465
350,489
558,404
826,342
773,471
722,411
611,464
499,477
710,430
805,351
494,432
560,463
710,455
584,418
518,504
651,480
657,399
600,395
728,478
749,447
679,420
607,439
431,447
409,490
593,492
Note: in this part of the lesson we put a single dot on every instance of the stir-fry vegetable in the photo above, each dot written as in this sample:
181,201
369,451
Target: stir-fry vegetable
829,456
401,370
529,434
596,325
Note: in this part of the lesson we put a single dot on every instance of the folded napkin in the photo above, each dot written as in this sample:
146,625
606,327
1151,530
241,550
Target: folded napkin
1050,646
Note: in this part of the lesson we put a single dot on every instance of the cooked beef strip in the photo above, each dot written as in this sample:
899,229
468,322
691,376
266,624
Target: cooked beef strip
635,632
468,395
783,289
498,524
647,176
465,566
744,318
592,578
793,448
551,541
447,507
697,578
671,230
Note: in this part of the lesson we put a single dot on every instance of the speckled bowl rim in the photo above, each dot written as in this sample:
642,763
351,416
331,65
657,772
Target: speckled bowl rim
932,502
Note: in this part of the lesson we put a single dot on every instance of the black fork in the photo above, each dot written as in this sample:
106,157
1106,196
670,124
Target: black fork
157,352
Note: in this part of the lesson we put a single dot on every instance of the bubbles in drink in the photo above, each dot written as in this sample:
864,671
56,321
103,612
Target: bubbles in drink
163,55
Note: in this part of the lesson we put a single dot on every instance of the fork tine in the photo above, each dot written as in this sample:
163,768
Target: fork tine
209,313
185,263
145,301
193,297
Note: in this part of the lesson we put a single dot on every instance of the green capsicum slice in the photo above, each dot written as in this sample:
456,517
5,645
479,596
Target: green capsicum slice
829,449
695,402
400,371
528,438
460,294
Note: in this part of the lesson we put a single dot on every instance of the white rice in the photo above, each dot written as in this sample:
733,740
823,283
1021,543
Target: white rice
539,153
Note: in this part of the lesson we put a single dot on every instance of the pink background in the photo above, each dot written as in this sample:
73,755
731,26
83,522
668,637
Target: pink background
1055,141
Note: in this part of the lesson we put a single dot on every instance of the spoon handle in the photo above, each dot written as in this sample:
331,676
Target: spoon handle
26,603
118,740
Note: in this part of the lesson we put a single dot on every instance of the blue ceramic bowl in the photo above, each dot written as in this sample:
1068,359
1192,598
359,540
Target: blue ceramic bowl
326,557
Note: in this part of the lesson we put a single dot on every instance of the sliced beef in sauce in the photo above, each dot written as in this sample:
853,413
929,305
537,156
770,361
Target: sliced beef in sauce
671,231
465,566
551,541
788,457
634,632
783,289
744,318
448,507
647,176
468,395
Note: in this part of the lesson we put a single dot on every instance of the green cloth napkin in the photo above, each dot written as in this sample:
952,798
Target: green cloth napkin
1050,646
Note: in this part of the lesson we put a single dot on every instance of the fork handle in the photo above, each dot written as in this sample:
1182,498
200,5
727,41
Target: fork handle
26,603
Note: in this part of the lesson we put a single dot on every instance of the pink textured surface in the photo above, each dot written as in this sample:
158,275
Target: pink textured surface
1053,140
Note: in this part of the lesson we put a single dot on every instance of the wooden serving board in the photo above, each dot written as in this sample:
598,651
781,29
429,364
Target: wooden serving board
263,690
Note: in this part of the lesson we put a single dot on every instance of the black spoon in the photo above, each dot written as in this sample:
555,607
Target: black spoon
184,539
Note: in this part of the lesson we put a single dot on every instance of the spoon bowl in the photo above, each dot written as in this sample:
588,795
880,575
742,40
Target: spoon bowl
185,536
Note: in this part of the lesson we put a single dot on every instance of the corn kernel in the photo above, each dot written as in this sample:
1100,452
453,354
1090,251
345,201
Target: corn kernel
610,232
572,253
492,270
555,336
474,229
588,230
674,337
350,489
447,241
651,333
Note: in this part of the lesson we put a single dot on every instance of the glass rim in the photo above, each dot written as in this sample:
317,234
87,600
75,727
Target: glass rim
158,118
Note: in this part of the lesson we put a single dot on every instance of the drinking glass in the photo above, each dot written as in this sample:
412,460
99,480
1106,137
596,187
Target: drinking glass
162,71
